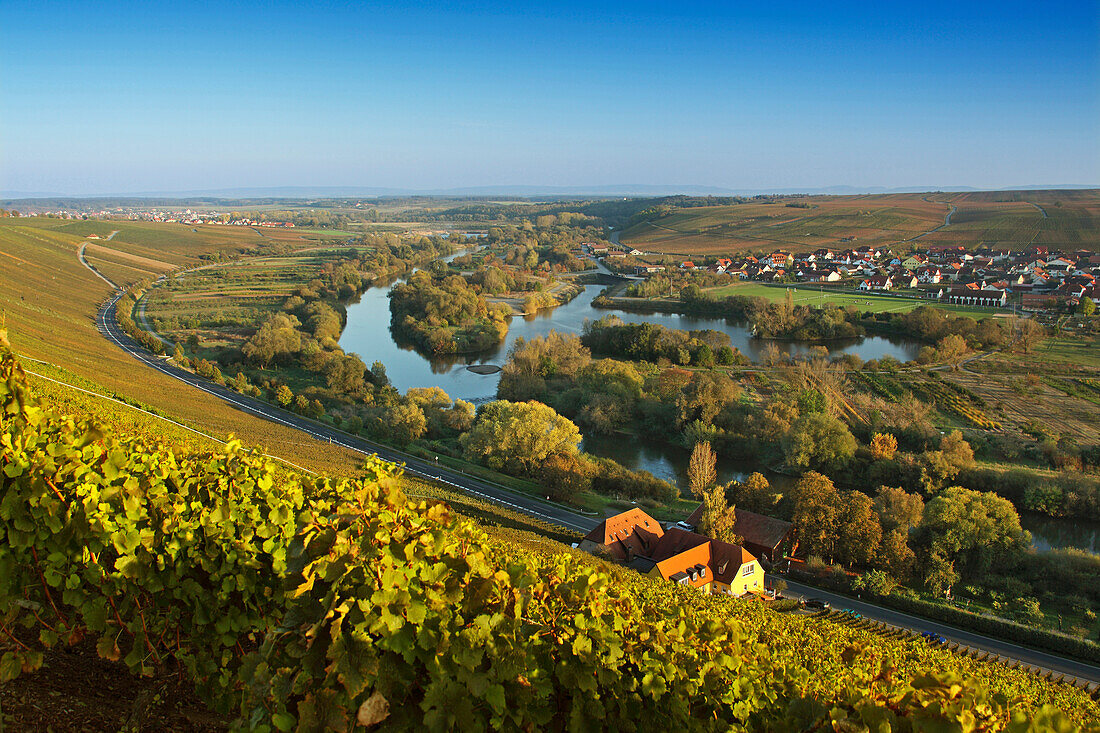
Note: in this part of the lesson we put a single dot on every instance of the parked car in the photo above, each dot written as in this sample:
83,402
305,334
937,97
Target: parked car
816,604
934,639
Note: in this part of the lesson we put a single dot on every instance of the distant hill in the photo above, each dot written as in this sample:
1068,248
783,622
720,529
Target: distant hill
620,189
1012,218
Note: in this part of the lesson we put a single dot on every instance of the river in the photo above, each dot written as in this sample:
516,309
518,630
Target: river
368,334
1051,533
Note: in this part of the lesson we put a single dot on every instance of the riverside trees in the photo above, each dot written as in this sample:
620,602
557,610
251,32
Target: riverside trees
446,315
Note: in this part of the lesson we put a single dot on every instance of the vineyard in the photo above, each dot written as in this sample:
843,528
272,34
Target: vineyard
952,399
1067,408
297,603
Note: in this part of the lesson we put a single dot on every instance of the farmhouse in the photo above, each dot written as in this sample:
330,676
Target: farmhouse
708,565
761,535
676,555
624,535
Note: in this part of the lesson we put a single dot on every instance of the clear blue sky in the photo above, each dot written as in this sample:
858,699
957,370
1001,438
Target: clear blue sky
119,97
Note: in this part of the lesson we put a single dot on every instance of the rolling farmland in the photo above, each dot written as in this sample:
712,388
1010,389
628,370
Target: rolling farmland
1013,219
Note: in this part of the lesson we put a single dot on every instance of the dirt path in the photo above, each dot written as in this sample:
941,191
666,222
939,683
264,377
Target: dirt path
1040,208
946,223
89,265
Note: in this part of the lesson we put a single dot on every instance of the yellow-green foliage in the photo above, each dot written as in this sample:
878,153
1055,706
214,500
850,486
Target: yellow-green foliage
303,604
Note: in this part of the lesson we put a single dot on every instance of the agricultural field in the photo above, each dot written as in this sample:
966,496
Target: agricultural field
1039,406
229,299
48,302
810,295
1015,219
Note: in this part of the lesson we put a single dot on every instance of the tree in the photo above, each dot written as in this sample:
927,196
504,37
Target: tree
956,451
346,374
177,355
896,555
428,397
951,348
1086,307
405,422
518,436
1026,332
277,338
883,446
532,362
283,395
966,533
701,469
816,513
718,517
898,510
812,400
858,530
562,477
705,396
819,440
301,404
755,494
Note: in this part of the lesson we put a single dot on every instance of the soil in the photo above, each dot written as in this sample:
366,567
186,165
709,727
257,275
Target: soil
77,691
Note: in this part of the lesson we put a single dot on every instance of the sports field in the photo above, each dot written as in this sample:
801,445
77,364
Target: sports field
865,302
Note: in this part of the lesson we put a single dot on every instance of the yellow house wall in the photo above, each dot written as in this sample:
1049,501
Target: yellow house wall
745,583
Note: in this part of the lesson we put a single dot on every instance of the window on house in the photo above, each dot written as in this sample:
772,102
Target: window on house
747,569
702,572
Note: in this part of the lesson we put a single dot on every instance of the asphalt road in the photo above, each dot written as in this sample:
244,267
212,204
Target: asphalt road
1007,650
108,326
554,514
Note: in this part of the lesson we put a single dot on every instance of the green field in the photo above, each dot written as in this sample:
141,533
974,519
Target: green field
865,302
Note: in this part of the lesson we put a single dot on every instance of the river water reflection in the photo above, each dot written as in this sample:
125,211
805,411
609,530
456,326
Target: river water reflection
367,333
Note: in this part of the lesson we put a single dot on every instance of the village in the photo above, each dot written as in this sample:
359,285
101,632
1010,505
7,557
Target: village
1034,279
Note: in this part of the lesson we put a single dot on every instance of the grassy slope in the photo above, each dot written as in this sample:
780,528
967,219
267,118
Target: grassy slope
1010,219
49,301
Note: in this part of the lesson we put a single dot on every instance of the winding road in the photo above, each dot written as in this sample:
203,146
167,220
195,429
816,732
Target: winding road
946,223
547,512
551,513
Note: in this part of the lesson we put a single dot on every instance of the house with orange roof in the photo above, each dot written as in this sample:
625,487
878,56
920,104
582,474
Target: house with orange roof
638,540
707,565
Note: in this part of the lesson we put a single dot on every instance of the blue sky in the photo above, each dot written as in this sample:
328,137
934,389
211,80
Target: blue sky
118,97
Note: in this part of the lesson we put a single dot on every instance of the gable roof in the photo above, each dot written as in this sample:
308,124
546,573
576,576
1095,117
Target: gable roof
755,529
722,560
632,532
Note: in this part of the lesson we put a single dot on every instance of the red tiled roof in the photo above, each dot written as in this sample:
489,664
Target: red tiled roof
722,560
632,532
757,530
